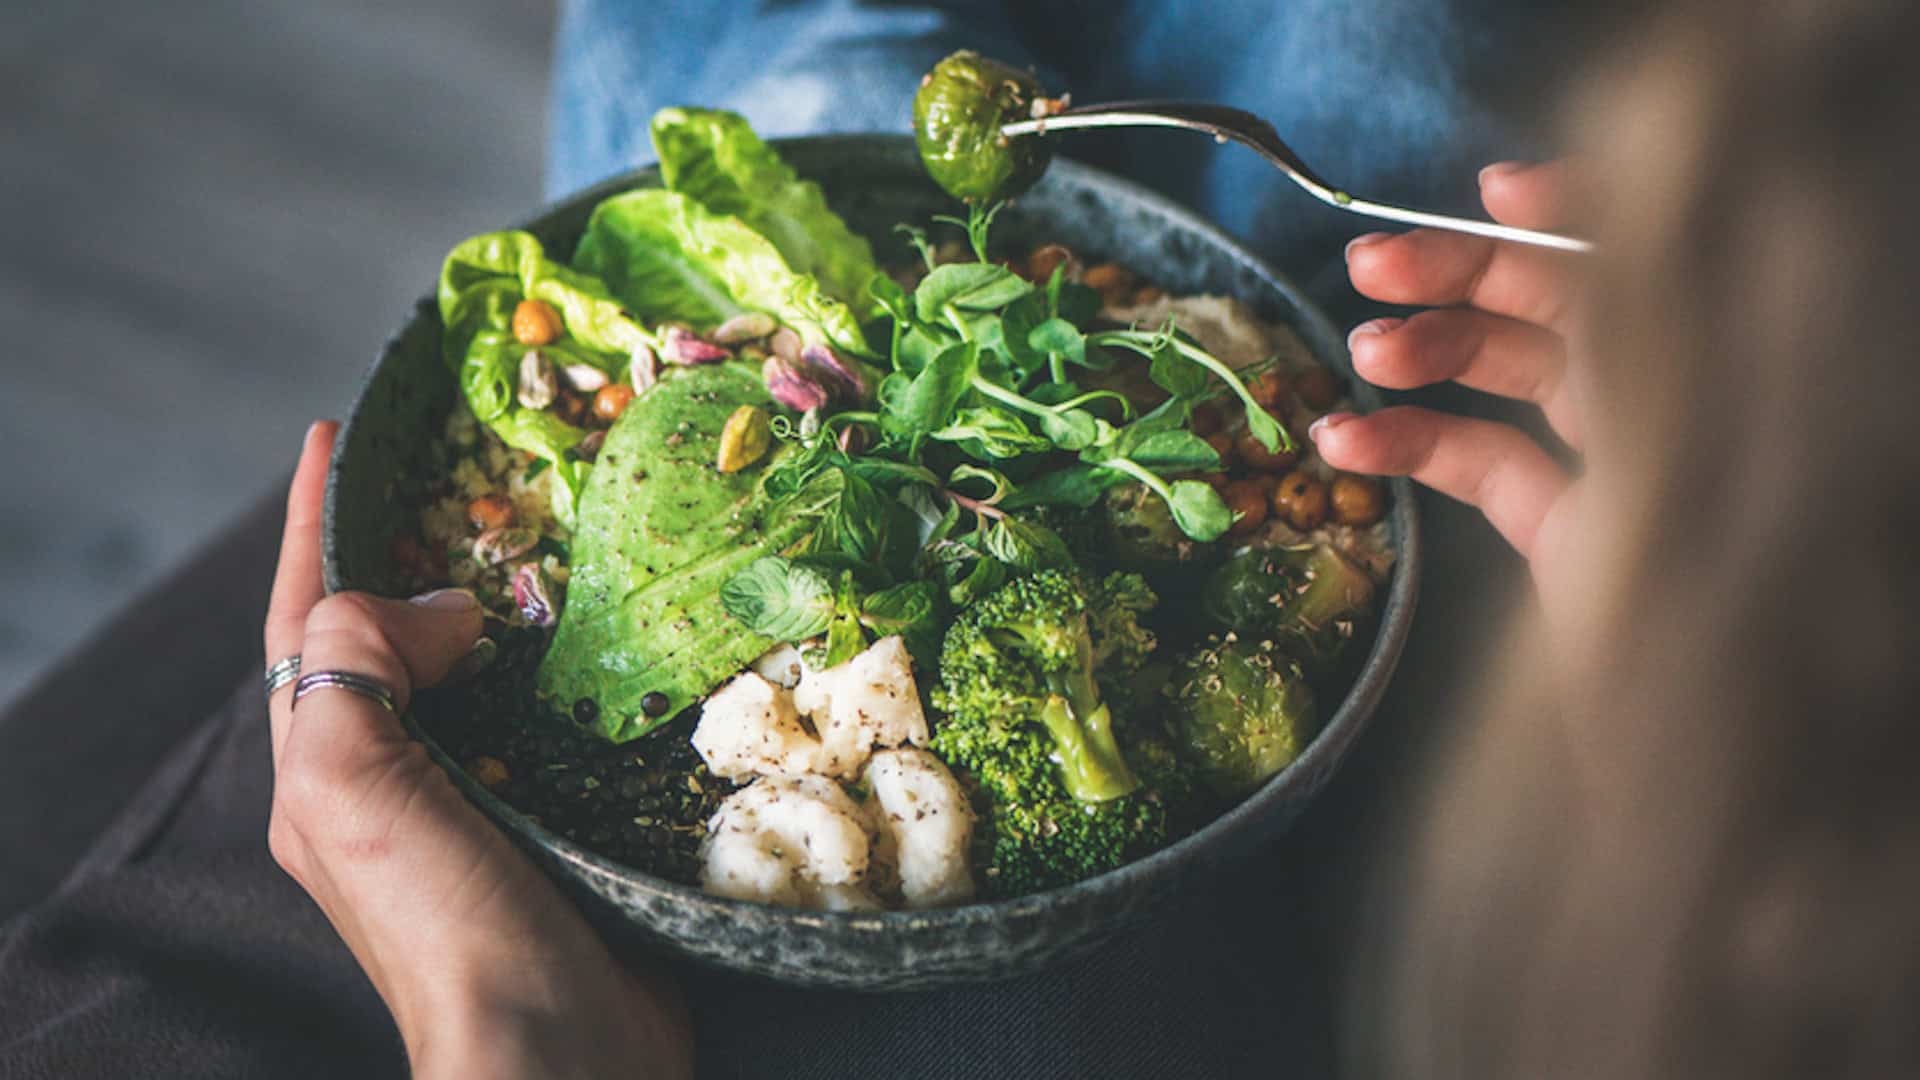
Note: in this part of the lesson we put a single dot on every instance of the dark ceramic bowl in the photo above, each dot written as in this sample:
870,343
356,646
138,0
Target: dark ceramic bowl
876,181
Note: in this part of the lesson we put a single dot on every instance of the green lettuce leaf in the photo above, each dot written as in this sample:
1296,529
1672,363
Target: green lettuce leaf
480,283
663,253
715,157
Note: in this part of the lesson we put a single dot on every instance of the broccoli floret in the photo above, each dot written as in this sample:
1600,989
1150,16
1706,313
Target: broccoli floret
1027,653
1033,833
1022,676
1121,644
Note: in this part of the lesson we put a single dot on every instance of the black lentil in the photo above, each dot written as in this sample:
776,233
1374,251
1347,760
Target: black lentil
644,803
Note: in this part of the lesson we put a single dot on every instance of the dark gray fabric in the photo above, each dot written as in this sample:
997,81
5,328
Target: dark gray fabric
176,947
93,728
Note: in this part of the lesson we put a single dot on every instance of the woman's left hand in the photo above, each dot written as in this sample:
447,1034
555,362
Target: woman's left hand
487,969
1503,315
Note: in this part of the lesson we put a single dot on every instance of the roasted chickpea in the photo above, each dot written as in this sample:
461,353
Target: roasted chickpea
1248,501
1114,282
490,512
489,772
1043,260
1259,457
611,400
1357,500
536,323
1269,388
1218,481
1317,388
1301,499
1222,444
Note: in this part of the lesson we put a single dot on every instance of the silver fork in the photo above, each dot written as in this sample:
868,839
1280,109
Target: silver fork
1243,127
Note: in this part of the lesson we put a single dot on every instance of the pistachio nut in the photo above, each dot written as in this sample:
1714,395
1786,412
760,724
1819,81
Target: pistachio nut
841,378
585,377
744,327
785,344
643,369
683,347
533,594
745,439
790,386
496,546
538,384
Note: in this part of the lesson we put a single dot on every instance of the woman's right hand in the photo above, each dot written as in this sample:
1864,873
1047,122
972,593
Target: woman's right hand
1502,317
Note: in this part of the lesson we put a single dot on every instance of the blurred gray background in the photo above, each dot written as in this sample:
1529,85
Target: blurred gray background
211,216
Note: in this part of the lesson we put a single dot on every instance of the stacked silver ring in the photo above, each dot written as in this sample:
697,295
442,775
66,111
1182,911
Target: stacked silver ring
365,687
282,673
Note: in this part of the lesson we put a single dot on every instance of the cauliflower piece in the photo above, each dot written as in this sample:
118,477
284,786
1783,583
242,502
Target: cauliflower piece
781,665
797,841
926,824
749,727
869,701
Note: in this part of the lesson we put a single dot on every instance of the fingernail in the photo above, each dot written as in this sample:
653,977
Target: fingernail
1499,169
1326,423
449,600
1364,239
1371,327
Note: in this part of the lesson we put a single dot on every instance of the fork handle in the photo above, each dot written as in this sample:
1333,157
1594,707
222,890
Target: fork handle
1224,123
1432,220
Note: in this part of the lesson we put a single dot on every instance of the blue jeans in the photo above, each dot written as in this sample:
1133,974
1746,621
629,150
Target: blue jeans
1389,98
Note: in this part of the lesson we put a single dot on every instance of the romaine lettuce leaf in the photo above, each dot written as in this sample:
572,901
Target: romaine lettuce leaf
662,251
715,157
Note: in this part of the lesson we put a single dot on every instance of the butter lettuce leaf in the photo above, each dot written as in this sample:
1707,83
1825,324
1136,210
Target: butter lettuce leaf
715,157
481,281
660,533
663,254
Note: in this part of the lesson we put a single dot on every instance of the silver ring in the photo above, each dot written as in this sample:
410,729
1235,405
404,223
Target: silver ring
282,673
348,681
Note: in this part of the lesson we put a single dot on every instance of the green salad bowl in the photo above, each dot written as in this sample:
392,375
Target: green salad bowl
874,182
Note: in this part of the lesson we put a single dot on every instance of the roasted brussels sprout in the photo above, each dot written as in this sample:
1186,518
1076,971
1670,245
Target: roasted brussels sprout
957,115
1241,712
1310,599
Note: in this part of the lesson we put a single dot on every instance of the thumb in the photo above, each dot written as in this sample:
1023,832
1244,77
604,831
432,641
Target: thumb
432,632
406,644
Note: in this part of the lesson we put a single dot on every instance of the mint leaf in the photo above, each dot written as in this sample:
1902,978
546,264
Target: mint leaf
1026,546
779,599
896,610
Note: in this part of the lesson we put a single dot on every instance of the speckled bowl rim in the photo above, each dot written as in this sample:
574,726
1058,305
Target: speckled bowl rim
1323,753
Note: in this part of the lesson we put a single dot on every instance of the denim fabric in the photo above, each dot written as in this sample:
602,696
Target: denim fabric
1389,98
